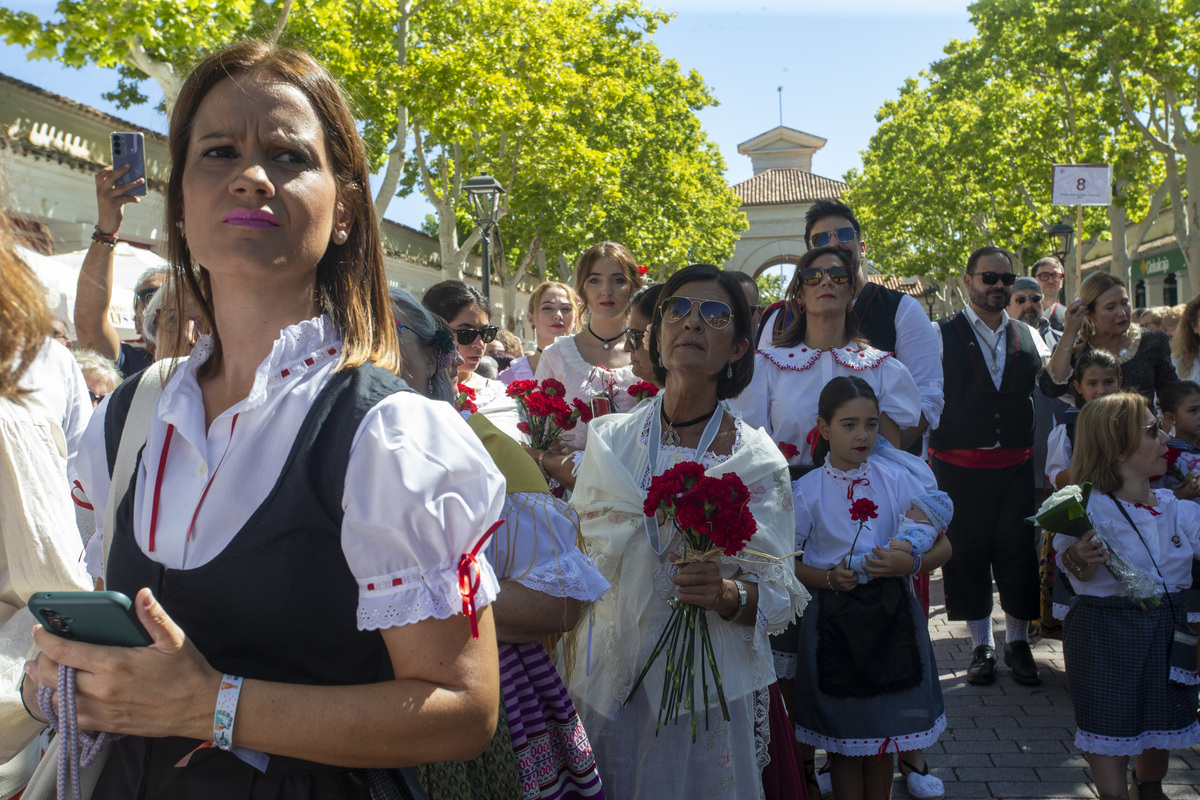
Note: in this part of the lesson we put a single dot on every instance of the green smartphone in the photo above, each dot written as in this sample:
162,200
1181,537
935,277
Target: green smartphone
104,618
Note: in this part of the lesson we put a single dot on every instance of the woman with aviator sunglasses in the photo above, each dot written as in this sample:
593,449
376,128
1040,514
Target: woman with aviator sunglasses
699,343
822,343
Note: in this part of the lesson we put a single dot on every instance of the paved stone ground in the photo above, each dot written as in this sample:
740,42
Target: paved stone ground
1013,741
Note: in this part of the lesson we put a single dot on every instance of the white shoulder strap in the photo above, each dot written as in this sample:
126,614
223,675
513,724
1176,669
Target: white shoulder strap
133,437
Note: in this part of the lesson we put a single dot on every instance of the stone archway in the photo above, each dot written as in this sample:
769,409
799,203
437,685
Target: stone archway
786,264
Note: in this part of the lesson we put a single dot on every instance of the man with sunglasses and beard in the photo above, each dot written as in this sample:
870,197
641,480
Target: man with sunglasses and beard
982,454
891,321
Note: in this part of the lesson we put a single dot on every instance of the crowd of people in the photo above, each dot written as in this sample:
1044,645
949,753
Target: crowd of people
363,576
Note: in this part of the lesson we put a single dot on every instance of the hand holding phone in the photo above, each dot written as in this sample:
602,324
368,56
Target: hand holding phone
105,618
129,149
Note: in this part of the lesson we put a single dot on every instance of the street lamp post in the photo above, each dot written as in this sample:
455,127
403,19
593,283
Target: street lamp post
1063,236
931,295
485,192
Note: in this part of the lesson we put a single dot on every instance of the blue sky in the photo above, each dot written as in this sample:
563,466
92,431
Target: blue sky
837,67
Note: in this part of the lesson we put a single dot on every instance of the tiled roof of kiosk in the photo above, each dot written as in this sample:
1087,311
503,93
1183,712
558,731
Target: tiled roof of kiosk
783,185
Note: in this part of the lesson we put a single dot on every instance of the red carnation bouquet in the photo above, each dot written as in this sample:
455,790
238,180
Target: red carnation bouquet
713,516
464,399
642,390
544,410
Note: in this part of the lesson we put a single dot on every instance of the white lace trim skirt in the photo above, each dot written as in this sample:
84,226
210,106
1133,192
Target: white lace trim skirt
865,726
1121,680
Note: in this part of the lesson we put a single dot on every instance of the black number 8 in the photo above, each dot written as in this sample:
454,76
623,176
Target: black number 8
1081,184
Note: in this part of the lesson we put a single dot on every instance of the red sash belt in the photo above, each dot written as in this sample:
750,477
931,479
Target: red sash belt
992,458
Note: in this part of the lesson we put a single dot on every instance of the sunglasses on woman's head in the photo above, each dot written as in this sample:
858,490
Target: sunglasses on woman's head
713,312
468,335
991,278
812,276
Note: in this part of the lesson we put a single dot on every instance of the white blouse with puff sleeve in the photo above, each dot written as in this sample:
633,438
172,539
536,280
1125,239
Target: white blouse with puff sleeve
420,490
782,398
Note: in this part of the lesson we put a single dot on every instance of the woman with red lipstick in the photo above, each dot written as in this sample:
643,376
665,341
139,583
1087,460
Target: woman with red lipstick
1100,319
1131,672
594,362
822,343
299,525
553,312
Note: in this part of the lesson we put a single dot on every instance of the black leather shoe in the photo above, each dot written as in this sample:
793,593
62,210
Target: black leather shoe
982,671
1021,664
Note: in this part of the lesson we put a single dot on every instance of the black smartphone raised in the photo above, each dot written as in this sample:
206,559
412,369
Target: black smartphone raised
129,148
104,618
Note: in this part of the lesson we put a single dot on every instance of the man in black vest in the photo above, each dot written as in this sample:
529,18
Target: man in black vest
891,321
982,455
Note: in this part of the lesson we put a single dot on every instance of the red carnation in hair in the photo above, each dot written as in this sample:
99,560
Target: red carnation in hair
642,269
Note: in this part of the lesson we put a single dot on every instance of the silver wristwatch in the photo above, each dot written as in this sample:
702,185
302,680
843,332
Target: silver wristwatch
741,590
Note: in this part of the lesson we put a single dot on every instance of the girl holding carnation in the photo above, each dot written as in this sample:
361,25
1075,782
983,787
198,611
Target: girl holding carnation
866,678
1132,682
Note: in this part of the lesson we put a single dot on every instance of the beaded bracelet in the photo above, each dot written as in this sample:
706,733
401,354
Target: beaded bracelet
100,236
828,572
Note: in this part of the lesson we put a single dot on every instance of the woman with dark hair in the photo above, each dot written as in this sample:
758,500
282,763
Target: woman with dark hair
701,338
1100,319
821,343
468,313
641,314
595,361
299,526
546,585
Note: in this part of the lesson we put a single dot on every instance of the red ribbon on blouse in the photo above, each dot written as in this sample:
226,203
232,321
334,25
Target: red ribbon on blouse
853,483
470,576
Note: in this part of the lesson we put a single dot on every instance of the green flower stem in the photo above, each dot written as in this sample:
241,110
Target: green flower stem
658,648
712,663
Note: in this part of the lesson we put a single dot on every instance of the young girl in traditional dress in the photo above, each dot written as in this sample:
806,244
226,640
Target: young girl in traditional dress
1132,679
1097,374
866,679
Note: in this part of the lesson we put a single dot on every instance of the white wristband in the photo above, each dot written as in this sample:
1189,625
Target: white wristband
227,700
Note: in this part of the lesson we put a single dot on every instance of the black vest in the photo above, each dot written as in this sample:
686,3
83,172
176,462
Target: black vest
876,309
977,415
279,603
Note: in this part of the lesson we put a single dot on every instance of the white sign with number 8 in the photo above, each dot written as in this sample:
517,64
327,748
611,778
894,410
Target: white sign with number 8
1082,184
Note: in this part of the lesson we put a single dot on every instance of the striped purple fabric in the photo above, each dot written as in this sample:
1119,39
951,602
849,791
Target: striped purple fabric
554,756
